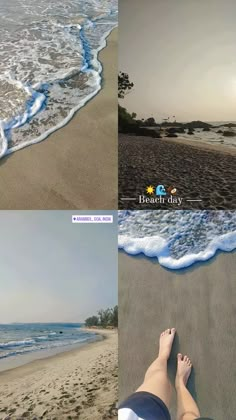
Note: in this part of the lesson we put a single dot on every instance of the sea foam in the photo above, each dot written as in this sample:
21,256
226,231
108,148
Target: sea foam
177,239
50,66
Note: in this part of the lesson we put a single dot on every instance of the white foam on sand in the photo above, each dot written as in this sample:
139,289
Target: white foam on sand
157,247
51,98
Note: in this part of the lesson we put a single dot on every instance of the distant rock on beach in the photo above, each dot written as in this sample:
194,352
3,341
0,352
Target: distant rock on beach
229,133
198,124
146,132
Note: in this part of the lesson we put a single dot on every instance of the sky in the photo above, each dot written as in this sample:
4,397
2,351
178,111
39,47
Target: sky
54,271
181,57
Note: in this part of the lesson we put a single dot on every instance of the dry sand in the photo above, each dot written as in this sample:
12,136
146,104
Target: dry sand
200,303
197,171
75,168
78,384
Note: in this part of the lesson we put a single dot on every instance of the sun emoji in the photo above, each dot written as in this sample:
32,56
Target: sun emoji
150,189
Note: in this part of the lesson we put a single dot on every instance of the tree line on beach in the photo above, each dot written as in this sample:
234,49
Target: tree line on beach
129,124
105,318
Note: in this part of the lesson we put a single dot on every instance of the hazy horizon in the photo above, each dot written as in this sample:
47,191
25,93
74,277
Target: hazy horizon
181,57
54,271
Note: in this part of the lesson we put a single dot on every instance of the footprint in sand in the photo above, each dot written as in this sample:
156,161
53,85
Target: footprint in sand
11,411
3,410
25,414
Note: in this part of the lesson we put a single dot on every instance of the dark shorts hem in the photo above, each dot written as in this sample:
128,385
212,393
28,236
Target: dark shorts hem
147,406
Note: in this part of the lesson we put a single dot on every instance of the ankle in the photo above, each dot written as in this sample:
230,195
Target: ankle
179,384
162,357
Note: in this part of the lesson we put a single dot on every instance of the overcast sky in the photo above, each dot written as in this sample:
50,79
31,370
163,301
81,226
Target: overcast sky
181,56
52,270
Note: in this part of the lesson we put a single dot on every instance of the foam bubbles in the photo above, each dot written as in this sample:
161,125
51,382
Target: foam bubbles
177,239
49,65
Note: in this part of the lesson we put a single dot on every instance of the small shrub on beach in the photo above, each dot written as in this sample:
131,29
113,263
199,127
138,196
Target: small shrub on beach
92,321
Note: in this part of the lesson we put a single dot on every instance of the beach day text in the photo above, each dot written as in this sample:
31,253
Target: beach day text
160,200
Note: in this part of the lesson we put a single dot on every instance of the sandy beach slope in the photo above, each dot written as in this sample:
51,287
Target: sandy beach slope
197,171
76,167
71,385
200,303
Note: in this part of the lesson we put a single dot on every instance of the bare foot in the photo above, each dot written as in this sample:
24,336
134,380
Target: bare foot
184,367
166,341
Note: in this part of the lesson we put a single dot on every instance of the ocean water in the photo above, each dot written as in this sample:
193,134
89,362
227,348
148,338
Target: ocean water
49,65
212,137
17,340
178,238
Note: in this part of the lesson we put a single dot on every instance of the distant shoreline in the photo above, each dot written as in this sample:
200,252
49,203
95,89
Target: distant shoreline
200,144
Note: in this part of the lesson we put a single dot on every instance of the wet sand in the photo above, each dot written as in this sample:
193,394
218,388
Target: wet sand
199,172
75,384
75,167
200,303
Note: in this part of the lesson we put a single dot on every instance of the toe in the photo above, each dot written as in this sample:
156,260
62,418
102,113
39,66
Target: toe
173,330
179,357
185,359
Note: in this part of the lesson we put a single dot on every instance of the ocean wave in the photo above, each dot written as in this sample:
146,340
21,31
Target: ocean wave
30,338
50,68
26,342
177,239
6,352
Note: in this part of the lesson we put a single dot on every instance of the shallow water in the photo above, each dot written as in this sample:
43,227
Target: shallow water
212,136
49,65
19,339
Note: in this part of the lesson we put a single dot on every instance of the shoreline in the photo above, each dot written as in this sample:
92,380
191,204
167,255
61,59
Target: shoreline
63,171
202,174
182,263
199,302
52,356
220,148
82,381
73,111
19,360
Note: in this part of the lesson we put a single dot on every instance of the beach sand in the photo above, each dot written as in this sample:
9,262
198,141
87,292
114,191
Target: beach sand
200,303
76,384
75,168
197,171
